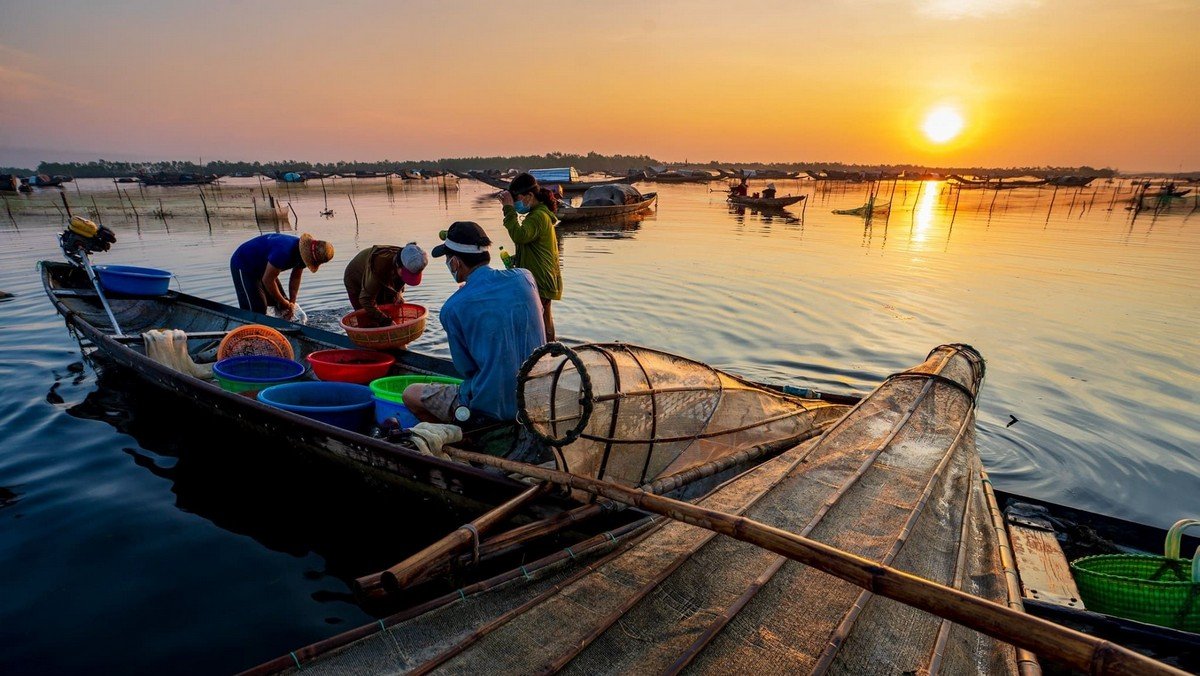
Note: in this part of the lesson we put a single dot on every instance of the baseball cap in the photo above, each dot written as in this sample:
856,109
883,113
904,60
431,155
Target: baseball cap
412,261
463,237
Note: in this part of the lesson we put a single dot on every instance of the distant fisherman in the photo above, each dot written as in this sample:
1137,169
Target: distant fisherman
536,240
257,263
769,193
377,275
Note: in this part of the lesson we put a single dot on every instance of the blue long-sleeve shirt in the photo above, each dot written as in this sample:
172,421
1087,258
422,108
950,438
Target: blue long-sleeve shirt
493,323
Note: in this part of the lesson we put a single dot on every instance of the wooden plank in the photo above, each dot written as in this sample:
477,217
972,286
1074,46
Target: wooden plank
1045,574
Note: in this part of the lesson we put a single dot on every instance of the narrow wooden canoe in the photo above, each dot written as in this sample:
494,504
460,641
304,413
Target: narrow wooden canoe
566,186
774,202
74,298
569,214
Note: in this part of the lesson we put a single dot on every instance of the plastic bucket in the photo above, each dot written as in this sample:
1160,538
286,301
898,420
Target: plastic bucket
133,281
251,373
392,387
385,409
350,366
344,405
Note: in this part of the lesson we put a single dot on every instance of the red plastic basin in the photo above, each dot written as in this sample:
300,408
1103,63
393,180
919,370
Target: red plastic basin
350,366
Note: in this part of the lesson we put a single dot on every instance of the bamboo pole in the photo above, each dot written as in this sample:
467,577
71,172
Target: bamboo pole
1051,641
402,574
204,202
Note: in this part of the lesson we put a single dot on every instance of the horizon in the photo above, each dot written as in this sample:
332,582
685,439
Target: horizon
932,83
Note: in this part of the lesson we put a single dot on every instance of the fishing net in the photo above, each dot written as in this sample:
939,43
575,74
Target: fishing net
633,415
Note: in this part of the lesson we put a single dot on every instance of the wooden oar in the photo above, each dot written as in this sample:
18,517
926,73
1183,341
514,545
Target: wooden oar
402,574
1057,643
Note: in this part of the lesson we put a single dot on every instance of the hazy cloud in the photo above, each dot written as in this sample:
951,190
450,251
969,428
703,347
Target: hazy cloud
971,9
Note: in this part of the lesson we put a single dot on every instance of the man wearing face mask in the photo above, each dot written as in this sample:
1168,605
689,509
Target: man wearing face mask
492,322
529,216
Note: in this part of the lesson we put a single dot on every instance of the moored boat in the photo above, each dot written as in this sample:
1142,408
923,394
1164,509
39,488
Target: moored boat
573,214
572,186
765,202
168,179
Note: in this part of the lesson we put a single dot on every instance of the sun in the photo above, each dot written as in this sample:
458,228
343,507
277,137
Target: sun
942,124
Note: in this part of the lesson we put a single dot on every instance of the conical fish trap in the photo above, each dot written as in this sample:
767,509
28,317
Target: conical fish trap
633,415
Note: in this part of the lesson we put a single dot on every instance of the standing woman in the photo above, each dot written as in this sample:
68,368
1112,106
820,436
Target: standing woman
535,237
258,262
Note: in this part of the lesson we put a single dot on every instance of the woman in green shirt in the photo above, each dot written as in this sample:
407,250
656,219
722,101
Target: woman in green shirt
536,240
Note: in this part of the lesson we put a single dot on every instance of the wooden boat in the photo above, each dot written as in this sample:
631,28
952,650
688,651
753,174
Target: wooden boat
365,174
680,177
774,202
994,184
566,186
1070,181
569,214
896,482
206,321
178,179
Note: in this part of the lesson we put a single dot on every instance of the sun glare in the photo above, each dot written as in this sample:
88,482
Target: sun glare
942,124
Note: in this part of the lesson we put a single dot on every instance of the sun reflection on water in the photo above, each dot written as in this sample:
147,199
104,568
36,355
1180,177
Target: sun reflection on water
923,212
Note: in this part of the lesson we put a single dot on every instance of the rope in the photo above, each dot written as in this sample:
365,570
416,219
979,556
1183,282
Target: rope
470,528
295,659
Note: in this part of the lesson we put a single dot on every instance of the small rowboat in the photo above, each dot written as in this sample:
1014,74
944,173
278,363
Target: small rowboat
773,202
569,214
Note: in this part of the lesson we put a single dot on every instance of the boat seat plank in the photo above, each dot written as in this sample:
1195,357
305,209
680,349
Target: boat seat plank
1044,571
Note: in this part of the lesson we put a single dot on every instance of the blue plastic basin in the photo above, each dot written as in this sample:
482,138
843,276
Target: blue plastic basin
385,409
250,373
133,281
344,405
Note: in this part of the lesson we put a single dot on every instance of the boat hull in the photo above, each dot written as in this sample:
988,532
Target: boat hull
450,481
568,214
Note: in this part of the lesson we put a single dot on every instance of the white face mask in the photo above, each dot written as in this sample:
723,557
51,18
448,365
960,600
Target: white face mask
451,269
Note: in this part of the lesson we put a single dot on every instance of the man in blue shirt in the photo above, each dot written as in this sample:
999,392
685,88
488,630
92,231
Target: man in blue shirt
492,322
258,262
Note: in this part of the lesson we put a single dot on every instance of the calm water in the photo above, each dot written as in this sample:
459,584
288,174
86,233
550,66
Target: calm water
137,537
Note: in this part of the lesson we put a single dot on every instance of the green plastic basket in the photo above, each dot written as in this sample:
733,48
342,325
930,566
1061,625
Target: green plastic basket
391,388
1161,590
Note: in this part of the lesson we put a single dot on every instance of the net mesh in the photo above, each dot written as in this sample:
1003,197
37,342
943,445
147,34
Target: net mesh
633,415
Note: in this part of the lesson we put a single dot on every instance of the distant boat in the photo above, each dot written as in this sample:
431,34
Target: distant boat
44,181
12,183
996,184
766,202
1069,181
290,177
573,186
604,205
167,179
679,176
365,174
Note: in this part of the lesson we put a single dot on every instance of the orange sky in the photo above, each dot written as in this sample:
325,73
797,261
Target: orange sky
1062,82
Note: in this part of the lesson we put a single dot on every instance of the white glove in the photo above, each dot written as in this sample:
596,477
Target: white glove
429,438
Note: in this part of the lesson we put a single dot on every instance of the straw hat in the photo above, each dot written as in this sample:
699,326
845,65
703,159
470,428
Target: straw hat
314,252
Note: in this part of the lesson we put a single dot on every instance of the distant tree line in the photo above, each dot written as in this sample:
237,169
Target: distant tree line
585,163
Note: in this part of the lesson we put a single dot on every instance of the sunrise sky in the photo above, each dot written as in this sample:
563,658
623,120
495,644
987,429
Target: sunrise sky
1033,82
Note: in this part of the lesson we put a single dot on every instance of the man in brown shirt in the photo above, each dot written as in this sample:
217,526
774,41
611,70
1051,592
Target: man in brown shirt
376,276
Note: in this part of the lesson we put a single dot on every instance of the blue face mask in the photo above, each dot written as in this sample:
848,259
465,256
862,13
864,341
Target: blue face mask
520,207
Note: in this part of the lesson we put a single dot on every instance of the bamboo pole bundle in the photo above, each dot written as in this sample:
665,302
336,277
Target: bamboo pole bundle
1048,640
404,573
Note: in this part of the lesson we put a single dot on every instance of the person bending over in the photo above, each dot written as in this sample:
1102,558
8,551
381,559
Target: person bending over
377,276
258,262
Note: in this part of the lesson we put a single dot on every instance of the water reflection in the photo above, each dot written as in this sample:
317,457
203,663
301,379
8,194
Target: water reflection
251,485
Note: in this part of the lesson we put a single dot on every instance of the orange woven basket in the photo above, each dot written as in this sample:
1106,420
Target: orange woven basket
255,339
410,324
